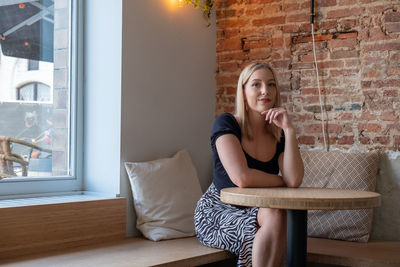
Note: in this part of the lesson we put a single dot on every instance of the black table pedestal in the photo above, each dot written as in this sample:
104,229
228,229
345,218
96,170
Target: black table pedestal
296,254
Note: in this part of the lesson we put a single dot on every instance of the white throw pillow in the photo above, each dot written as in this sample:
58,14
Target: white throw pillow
165,193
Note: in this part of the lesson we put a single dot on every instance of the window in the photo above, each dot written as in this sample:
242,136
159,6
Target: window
34,92
40,107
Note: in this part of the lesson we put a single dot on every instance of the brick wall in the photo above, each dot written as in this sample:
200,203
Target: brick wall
358,53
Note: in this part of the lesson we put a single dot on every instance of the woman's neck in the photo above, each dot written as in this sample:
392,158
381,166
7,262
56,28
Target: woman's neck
257,123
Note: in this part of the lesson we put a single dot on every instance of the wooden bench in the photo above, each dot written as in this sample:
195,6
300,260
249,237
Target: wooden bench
189,252
343,253
129,252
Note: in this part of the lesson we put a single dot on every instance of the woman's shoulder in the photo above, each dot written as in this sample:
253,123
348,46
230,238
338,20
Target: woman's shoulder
227,119
226,123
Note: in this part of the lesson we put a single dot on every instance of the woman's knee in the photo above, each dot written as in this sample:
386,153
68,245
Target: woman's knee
274,218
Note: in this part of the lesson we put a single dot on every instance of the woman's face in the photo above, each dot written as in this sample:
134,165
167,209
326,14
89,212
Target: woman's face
260,90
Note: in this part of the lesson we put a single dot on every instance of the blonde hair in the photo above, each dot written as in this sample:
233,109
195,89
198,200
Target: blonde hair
240,109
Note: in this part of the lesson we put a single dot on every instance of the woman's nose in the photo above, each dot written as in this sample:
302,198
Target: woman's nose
263,89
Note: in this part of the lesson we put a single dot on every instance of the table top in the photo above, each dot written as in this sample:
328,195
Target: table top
303,198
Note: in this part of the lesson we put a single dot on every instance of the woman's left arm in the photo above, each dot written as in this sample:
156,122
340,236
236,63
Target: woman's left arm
290,162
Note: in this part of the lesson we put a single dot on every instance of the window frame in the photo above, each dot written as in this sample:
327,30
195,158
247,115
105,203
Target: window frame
50,185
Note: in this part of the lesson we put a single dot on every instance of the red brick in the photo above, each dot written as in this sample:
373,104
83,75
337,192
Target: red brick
346,116
343,72
346,140
334,128
382,47
393,27
349,24
386,83
231,56
326,3
390,93
290,28
327,24
344,54
229,109
230,91
347,43
308,39
229,44
384,140
231,66
393,71
376,34
376,10
232,23
289,7
269,21
252,12
225,13
276,42
389,116
262,1
366,116
392,17
352,62
365,140
298,17
330,64
370,127
255,44
313,128
296,66
225,80
310,57
259,54
347,35
272,9
306,140
341,13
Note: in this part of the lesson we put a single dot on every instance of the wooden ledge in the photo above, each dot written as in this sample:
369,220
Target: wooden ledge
370,254
130,252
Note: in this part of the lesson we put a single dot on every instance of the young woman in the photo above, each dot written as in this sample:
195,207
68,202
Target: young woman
249,149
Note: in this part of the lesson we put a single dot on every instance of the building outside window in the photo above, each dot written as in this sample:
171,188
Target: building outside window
37,101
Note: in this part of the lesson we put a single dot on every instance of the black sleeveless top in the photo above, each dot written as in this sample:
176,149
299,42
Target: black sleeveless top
227,124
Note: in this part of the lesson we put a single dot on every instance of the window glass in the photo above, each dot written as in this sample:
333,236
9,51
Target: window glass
35,56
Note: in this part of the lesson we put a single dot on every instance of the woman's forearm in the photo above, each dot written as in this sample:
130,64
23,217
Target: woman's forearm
292,164
257,178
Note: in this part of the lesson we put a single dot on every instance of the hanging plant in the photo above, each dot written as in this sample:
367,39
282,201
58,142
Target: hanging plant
206,6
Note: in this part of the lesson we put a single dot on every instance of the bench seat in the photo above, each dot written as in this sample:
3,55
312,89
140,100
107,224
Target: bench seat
129,252
370,254
189,252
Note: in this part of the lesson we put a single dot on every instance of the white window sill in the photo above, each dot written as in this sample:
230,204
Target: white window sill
45,200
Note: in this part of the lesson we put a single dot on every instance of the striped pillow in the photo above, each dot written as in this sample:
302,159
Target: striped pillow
356,171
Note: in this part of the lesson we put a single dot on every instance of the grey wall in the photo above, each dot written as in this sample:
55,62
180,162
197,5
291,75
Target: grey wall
168,87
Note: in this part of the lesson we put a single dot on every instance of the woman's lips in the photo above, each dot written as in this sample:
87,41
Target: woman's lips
264,100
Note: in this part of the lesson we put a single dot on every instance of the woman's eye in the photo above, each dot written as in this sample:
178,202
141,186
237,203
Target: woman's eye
272,84
256,84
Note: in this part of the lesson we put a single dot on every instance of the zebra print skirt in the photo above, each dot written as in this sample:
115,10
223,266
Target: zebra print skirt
224,226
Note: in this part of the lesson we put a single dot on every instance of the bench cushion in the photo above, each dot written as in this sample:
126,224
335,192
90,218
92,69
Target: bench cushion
356,171
165,193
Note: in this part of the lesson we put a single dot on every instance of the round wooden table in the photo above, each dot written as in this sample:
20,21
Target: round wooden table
297,201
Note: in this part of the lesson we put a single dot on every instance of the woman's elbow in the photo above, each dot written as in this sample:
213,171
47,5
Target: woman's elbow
241,180
295,181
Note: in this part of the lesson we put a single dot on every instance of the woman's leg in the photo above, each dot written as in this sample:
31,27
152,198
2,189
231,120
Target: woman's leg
269,245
